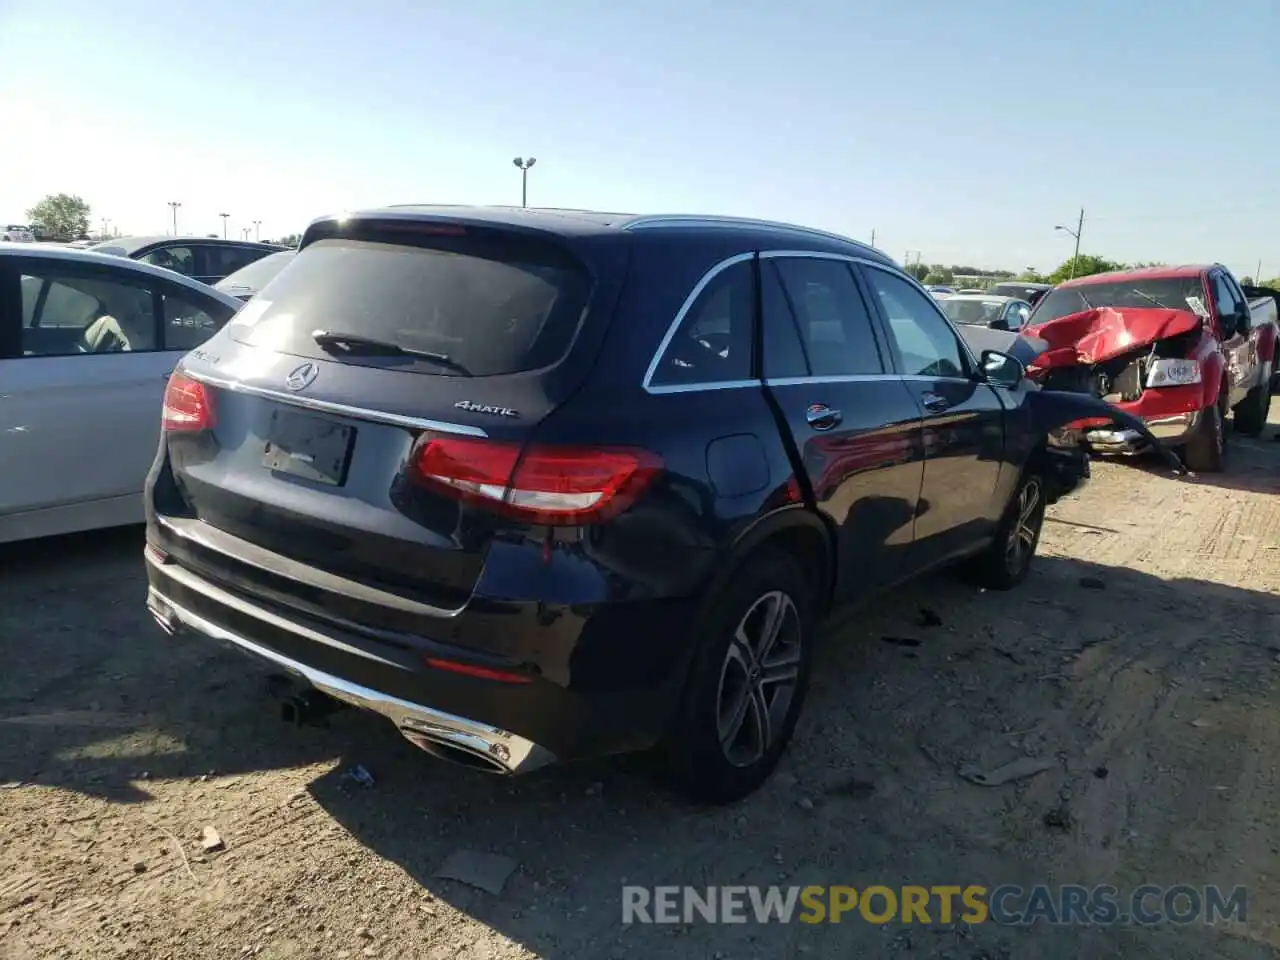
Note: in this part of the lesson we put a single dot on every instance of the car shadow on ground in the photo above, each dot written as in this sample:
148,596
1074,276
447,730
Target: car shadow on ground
869,792
887,725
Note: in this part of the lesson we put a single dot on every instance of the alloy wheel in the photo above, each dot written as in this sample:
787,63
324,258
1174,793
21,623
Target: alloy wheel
758,678
1022,538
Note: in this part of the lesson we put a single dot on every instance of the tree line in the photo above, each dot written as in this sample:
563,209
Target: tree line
1083,266
64,216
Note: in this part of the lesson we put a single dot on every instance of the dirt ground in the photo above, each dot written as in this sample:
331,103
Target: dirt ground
1142,657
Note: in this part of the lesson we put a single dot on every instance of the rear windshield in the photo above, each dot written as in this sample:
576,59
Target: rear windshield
489,305
1175,293
1016,290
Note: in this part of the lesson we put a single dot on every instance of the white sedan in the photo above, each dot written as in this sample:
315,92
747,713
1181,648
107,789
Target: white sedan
87,342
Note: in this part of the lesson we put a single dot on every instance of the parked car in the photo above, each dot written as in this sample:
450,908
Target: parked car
987,323
519,481
967,291
1255,293
85,344
245,283
206,259
1175,346
938,290
17,233
1032,293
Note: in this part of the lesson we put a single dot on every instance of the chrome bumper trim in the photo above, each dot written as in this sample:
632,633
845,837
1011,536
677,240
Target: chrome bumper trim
504,750
1166,429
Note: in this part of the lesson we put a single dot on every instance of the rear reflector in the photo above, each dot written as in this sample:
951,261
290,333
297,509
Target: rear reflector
188,406
1088,423
544,484
471,670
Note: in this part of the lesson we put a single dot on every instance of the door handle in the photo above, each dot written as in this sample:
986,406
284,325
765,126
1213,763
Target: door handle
821,417
935,403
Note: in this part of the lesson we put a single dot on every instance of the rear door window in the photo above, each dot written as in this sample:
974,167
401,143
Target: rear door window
483,306
832,318
785,354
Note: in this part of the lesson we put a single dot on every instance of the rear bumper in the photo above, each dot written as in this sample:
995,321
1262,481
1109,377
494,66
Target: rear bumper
502,726
500,749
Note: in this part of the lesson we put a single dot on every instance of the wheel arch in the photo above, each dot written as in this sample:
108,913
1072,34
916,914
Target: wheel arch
798,530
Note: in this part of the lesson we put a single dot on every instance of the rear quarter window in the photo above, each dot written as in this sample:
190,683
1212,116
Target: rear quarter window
493,306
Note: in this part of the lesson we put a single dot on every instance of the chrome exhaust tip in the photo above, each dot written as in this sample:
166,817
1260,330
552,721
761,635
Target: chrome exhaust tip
464,755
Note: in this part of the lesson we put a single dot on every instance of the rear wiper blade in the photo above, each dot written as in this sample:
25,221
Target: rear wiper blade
369,346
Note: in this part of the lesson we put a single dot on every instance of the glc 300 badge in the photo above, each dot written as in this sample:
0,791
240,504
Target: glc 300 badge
492,411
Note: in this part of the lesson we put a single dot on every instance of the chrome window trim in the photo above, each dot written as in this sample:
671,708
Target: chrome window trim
689,301
838,378
340,409
701,387
701,285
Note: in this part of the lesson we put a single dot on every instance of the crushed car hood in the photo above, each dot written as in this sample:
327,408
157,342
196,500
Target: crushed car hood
1093,336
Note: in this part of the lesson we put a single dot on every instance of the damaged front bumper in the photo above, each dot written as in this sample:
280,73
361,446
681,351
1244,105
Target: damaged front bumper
1173,430
1071,420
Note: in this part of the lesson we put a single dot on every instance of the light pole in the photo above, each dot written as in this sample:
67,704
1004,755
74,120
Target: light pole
225,217
1075,233
524,166
105,221
257,230
244,233
173,206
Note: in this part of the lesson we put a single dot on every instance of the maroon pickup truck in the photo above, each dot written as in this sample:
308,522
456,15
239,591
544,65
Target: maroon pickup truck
1177,347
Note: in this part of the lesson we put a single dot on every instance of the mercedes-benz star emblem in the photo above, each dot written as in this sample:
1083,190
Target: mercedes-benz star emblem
302,376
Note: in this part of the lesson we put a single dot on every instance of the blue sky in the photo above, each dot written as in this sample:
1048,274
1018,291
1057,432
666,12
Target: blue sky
964,131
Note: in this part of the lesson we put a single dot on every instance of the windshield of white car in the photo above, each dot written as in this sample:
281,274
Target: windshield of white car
974,312
1174,293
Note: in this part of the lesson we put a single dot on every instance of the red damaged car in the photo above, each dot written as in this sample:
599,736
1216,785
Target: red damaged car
1176,347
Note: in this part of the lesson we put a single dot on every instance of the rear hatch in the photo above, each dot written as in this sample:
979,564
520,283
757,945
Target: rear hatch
346,444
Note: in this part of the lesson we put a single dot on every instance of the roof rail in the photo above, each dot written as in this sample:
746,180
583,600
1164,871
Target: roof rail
695,220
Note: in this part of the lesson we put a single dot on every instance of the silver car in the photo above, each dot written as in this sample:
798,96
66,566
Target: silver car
87,342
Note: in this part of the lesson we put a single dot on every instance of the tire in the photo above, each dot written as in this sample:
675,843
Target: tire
718,751
1007,560
1251,413
1206,451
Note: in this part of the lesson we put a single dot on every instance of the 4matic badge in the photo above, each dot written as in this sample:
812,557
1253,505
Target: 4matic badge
492,411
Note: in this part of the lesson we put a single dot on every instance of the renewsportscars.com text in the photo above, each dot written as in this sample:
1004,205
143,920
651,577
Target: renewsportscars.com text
1007,905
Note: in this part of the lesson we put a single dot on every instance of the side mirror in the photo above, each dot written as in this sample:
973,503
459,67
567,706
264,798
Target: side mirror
999,323
1001,369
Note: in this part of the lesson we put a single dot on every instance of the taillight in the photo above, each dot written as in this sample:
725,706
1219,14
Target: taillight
188,406
544,484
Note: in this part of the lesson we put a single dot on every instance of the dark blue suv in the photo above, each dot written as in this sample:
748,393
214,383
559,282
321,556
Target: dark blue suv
543,485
